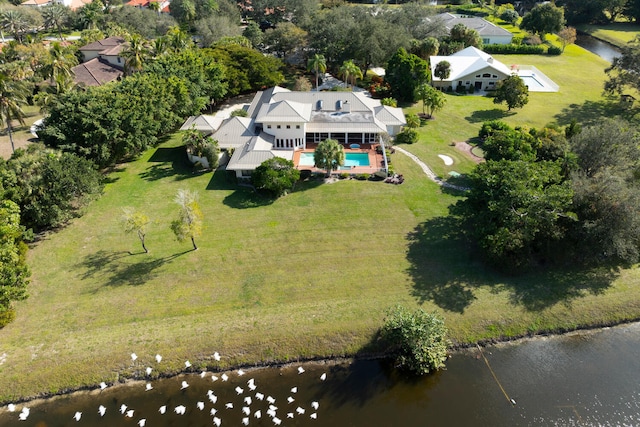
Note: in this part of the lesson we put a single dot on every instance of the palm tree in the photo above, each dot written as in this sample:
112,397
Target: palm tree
155,6
13,94
177,39
318,64
14,22
90,14
350,70
61,61
135,54
159,47
55,16
329,155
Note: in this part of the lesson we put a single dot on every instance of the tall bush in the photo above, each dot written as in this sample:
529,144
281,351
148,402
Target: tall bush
417,339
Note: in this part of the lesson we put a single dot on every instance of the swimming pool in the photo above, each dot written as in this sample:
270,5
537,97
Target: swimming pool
350,159
531,82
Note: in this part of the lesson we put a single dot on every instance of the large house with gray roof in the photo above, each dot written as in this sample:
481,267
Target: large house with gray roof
489,32
281,122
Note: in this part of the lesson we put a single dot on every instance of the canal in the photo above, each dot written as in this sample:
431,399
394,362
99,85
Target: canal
580,379
602,49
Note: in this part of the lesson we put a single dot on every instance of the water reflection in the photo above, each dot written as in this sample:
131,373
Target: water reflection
581,379
600,48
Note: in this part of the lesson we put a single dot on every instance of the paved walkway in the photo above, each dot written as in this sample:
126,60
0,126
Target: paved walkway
427,170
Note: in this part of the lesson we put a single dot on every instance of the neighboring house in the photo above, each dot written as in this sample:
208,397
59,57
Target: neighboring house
488,31
470,68
281,121
144,4
101,63
71,4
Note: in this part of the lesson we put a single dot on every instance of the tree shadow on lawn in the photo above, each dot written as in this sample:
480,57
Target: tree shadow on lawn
592,112
481,116
111,267
246,198
446,269
168,162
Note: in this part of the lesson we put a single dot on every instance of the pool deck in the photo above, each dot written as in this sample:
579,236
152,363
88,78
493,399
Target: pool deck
376,161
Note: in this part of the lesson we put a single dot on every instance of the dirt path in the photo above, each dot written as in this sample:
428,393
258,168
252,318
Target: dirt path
466,148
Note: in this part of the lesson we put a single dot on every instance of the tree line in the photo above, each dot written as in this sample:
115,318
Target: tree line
555,196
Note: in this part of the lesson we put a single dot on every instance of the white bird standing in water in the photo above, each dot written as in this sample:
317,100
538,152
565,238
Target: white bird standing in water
247,400
239,390
200,405
102,410
163,409
123,408
277,421
313,416
245,421
148,387
217,421
184,385
300,410
290,399
294,390
130,413
180,409
323,376
11,407
214,378
213,411
187,364
229,405
142,422
77,416
300,370
259,396
103,385
203,374
240,372
257,414
24,414
224,377
315,405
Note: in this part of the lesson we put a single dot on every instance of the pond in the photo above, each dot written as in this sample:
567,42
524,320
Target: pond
586,379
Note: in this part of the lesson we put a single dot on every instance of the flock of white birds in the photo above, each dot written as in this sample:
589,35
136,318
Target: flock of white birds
250,395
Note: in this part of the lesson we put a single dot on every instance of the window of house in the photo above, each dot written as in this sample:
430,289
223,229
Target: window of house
278,126
268,126
297,126
467,82
288,126
494,76
486,41
486,75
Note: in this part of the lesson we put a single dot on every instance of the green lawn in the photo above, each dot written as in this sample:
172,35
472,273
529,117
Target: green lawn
309,275
619,33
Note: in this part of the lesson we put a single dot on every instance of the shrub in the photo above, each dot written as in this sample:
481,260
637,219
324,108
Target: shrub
418,339
554,50
344,175
514,49
7,316
362,176
407,136
532,39
491,127
240,112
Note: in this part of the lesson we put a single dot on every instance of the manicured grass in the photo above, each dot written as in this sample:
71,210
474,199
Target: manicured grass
308,275
618,34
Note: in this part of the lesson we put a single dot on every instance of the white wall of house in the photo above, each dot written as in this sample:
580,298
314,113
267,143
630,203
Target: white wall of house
288,136
114,60
506,39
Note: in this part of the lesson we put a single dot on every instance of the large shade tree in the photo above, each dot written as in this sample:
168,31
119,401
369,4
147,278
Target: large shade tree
624,72
14,273
406,71
544,18
329,155
275,175
512,91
